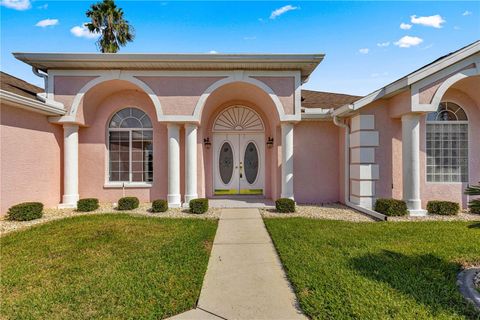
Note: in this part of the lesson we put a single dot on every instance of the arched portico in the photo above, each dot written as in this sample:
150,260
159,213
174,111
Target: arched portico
113,78
259,102
415,186
92,114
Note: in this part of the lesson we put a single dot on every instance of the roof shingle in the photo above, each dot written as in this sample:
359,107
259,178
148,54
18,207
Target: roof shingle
18,86
326,100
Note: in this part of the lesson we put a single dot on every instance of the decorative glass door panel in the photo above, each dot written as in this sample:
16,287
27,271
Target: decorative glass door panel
239,164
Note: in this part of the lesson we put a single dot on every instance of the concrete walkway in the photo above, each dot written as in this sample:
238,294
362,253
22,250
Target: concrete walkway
244,279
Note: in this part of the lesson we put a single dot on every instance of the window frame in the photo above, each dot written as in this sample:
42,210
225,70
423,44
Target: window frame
129,183
465,122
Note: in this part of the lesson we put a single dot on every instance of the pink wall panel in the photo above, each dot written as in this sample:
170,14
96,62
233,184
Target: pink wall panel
31,158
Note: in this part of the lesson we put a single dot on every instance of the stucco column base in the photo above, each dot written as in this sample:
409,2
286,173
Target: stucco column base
415,208
69,201
174,201
417,212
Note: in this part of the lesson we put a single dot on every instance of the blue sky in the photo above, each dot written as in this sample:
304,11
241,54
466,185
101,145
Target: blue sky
367,44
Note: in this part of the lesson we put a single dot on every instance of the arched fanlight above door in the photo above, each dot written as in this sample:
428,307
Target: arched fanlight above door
238,118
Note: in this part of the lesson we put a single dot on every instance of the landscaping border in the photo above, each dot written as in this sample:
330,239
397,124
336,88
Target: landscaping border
466,286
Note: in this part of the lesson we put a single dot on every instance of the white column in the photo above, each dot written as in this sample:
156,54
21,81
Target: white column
70,166
287,160
190,162
411,163
173,196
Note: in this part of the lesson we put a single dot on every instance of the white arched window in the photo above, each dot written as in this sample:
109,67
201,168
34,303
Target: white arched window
447,144
130,144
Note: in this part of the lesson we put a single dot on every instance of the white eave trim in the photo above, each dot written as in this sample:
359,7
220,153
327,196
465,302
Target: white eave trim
306,63
405,82
316,114
30,104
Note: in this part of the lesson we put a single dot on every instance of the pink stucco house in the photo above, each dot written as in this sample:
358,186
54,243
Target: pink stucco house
184,126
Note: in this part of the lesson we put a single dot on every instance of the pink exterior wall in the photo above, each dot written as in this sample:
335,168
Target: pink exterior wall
31,153
179,95
316,162
93,155
284,88
67,87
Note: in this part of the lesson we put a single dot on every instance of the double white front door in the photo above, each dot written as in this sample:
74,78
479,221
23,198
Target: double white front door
239,163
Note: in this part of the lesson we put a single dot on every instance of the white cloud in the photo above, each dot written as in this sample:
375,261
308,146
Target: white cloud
435,21
408,41
16,4
43,6
83,32
213,52
383,44
364,50
405,26
278,12
47,23
457,28
467,13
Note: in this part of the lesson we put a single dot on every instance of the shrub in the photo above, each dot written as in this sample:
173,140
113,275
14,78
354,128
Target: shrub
391,207
128,203
25,211
474,204
446,208
88,204
159,206
198,206
285,205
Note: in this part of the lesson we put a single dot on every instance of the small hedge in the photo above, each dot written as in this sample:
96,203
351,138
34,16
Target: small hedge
445,208
25,211
285,205
391,207
159,205
88,204
198,206
128,203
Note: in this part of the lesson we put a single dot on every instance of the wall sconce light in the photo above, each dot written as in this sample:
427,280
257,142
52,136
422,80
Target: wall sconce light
270,142
207,142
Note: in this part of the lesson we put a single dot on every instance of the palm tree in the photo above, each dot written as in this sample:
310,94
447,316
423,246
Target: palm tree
107,20
474,204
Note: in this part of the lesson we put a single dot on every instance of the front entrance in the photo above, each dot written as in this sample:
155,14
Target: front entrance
239,164
238,153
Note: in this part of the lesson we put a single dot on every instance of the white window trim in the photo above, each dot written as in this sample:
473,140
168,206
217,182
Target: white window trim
468,149
130,183
119,185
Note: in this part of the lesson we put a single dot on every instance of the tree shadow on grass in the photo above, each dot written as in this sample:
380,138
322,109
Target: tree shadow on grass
428,279
474,225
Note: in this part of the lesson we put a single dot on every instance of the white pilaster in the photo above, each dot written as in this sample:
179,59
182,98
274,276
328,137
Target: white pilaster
411,163
173,196
190,162
70,166
287,160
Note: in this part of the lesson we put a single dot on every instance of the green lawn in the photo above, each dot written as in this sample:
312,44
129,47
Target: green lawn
343,270
113,266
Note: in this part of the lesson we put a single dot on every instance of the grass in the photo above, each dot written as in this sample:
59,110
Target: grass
344,270
113,266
